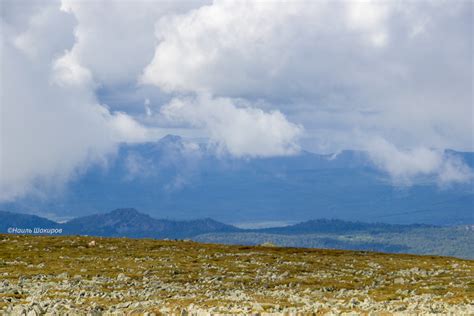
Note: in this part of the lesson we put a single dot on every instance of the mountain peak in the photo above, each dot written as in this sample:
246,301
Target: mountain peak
125,212
129,222
170,139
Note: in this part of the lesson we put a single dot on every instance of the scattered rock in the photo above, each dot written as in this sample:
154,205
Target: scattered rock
399,281
122,277
181,278
268,244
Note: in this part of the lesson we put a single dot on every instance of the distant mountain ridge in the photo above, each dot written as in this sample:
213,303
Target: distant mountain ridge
321,233
20,220
128,222
131,223
335,226
175,178
118,223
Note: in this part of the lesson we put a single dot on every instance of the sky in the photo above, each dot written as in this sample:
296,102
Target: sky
252,78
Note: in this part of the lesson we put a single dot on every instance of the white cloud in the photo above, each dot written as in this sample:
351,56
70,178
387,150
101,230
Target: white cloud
454,170
115,39
44,25
405,165
401,71
369,17
126,129
237,127
50,131
271,49
68,71
397,70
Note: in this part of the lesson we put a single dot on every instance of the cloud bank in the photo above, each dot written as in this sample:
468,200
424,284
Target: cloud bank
397,71
52,125
256,78
405,165
236,127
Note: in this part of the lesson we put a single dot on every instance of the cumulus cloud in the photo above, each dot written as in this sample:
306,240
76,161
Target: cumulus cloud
43,23
397,70
237,127
277,50
51,122
369,17
401,71
68,71
116,46
405,165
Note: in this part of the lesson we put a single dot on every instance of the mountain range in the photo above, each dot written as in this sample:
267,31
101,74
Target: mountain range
321,233
118,223
176,179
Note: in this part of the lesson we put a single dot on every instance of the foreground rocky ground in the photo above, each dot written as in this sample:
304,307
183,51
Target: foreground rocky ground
84,275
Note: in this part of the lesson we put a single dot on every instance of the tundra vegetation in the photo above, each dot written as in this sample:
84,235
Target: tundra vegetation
79,275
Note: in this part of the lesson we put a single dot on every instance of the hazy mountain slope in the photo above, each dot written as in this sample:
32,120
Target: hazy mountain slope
118,223
131,223
337,234
334,226
444,241
18,220
417,239
177,180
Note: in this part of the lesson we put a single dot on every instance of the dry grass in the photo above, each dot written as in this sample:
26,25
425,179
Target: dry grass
192,265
